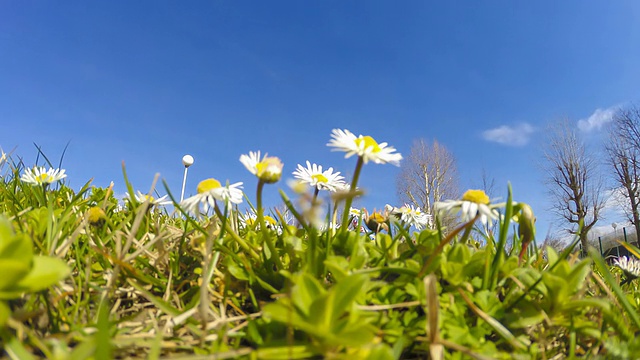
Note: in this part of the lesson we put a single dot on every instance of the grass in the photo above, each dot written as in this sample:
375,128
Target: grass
102,279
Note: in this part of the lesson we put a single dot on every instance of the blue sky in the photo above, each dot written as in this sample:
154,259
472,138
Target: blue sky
147,82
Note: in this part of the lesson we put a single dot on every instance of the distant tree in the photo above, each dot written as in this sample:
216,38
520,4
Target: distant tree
573,181
623,152
556,243
428,174
488,184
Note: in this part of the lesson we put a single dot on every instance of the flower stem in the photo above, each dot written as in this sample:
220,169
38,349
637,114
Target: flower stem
44,194
243,244
349,200
467,231
265,233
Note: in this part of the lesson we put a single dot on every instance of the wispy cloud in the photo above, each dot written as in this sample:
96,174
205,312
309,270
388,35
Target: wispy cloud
517,135
616,207
598,119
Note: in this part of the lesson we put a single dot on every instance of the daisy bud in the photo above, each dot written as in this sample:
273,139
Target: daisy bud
269,169
96,216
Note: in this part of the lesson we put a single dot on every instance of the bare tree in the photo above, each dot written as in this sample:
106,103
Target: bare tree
623,151
488,184
573,181
557,243
428,175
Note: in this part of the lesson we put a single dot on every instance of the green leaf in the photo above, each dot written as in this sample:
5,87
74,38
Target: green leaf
632,249
12,271
104,348
5,313
284,313
286,352
552,255
346,292
237,271
17,247
46,271
578,275
459,253
15,349
306,290
354,335
337,266
6,230
526,315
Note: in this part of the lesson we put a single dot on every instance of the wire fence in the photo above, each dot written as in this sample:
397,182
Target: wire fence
609,243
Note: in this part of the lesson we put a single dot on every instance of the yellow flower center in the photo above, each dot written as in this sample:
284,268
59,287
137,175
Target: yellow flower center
476,196
377,217
96,215
368,141
320,178
44,178
269,170
269,220
207,185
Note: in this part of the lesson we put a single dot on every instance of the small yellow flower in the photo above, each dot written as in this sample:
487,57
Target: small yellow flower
96,216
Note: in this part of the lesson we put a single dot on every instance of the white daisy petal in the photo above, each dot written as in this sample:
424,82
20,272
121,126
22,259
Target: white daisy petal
363,146
40,176
209,191
322,180
630,266
267,169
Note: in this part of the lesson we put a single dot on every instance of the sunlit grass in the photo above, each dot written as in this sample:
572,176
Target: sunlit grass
116,278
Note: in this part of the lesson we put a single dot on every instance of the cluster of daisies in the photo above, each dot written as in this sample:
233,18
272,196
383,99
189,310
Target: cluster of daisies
630,266
474,204
268,169
377,221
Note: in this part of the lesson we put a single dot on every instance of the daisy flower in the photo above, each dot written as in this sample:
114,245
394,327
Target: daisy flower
322,180
412,216
630,266
363,146
355,212
473,203
269,169
251,219
161,201
329,226
376,221
209,191
39,176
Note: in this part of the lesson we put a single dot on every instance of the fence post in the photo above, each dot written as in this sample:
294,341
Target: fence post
600,241
624,231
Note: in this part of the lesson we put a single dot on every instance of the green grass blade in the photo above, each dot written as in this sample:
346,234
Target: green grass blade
608,277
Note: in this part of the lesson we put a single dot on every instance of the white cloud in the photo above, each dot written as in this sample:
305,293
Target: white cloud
599,118
510,135
616,206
